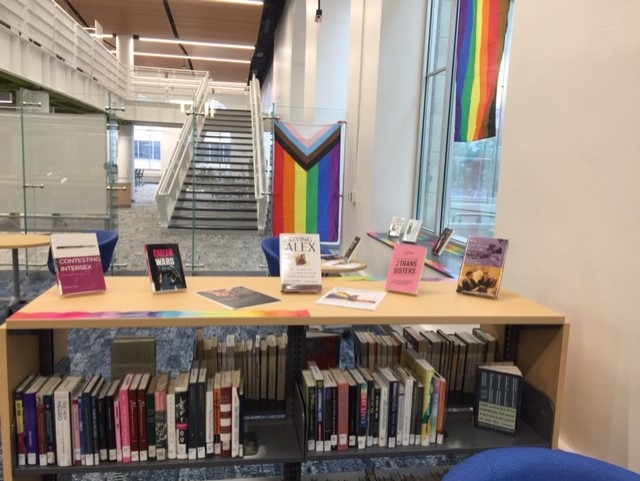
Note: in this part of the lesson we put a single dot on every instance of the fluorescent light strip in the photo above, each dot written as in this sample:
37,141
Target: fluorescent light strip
194,42
243,2
191,57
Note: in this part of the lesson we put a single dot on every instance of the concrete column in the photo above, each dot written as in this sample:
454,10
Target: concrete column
124,49
125,154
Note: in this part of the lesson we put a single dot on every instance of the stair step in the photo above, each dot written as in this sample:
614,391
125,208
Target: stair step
218,228
186,197
223,159
189,208
200,219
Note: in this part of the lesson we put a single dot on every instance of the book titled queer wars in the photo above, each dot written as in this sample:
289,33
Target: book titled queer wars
405,268
164,267
482,266
300,263
77,262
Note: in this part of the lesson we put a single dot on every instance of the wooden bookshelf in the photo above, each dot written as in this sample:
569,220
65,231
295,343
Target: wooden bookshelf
35,339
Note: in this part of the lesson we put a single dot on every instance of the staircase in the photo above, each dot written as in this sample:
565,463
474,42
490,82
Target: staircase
218,191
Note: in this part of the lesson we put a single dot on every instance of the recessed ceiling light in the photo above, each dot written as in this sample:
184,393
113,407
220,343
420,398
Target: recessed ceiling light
195,42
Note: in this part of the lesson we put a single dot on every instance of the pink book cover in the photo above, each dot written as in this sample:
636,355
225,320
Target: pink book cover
405,268
77,262
116,421
125,433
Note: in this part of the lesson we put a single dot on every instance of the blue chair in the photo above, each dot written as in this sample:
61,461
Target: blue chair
107,240
536,464
271,249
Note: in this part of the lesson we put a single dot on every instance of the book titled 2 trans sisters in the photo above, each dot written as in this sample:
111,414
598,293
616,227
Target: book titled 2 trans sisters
164,267
482,266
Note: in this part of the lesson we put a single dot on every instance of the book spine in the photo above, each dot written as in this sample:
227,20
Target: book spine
343,416
20,441
42,430
209,422
392,419
371,412
117,421
354,414
406,411
225,421
49,417
384,413
182,424
363,416
125,430
376,417
217,402
110,428
161,425
31,428
320,415
95,430
134,434
63,428
201,436
143,440
235,422
77,421
434,410
103,449
192,414
151,426
172,447
442,409
312,423
328,417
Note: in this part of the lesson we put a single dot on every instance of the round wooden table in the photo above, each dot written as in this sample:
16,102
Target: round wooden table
20,241
341,267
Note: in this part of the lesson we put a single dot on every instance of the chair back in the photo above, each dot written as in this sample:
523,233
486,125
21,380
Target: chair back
271,249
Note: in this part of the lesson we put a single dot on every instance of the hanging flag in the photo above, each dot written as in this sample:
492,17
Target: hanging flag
482,26
306,179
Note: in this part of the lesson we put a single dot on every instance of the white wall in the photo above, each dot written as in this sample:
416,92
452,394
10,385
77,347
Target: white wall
568,201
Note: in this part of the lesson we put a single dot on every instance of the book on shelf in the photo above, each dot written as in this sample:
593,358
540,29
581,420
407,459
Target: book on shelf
19,416
31,420
192,411
361,404
134,431
237,297
226,400
300,263
330,411
143,434
103,450
172,441
318,378
164,267
412,231
383,409
132,354
160,401
424,373
201,437
77,262
353,298
181,414
442,241
46,433
482,266
395,229
62,397
209,417
498,397
125,418
308,388
111,399
342,390
151,419
405,268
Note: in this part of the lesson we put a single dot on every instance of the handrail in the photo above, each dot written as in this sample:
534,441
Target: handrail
175,173
259,165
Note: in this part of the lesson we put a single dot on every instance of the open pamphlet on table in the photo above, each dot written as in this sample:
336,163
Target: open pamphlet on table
237,297
353,298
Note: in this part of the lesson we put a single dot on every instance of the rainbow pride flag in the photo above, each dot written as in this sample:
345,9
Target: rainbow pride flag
306,179
482,25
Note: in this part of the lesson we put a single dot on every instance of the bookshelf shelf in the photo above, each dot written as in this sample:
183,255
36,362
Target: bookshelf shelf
35,340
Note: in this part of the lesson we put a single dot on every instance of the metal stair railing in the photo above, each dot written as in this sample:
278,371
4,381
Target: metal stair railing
174,175
259,161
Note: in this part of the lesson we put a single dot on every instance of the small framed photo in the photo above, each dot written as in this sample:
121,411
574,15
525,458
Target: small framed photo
395,229
412,231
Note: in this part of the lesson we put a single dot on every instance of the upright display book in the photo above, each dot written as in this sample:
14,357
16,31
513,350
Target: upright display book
405,268
348,255
498,397
300,263
412,231
353,298
237,297
482,266
395,229
77,262
442,241
164,267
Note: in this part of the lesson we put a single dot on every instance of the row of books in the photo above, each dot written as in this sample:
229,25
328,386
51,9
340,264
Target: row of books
70,420
398,405
455,355
261,361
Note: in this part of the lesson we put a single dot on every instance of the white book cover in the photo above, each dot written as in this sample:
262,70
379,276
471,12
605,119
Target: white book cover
77,262
209,419
384,409
300,263
412,231
171,420
62,399
353,298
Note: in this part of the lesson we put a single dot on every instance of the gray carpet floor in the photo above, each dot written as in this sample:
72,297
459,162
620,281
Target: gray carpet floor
214,254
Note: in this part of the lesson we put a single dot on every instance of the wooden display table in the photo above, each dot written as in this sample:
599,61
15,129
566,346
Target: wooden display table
542,338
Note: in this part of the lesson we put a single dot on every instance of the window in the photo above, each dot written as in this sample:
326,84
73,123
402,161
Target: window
147,147
458,181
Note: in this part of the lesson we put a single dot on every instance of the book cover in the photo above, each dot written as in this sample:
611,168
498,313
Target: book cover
225,413
125,432
192,411
353,298
300,263
201,436
412,231
143,438
62,398
395,229
171,420
237,297
31,420
164,267
151,419
405,268
77,263
442,241
482,266
498,397
111,399
316,374
45,426
181,414
162,383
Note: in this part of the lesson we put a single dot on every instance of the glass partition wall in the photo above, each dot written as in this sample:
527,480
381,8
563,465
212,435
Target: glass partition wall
55,172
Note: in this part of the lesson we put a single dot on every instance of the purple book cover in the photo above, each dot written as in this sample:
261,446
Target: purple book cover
482,266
